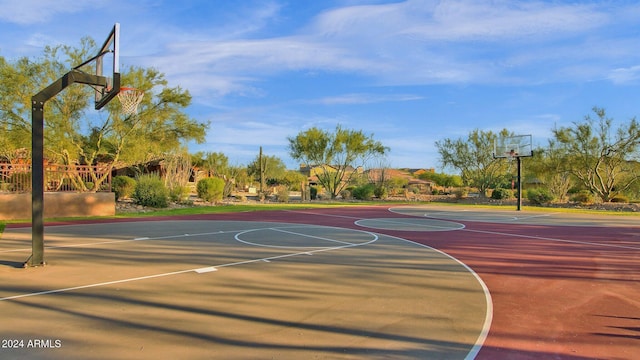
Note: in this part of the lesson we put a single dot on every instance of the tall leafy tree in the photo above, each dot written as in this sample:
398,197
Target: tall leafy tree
211,163
216,164
273,168
337,154
548,165
75,136
473,157
602,158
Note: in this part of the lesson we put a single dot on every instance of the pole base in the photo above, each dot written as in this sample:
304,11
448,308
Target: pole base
28,263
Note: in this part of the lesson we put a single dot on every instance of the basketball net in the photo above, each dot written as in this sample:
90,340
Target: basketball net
130,98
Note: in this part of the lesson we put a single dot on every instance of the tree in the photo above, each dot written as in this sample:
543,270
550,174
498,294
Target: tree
548,166
603,161
216,164
15,106
272,168
473,157
74,137
211,163
337,154
294,180
442,179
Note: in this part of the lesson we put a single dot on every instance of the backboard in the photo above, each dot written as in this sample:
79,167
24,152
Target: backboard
513,146
107,63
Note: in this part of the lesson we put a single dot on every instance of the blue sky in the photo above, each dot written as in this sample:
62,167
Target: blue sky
409,72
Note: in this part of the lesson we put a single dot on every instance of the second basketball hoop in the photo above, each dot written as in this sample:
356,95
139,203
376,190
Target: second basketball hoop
130,98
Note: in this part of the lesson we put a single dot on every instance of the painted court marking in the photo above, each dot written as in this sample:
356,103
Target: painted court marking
554,239
202,270
237,237
484,330
488,318
410,224
521,235
144,238
466,215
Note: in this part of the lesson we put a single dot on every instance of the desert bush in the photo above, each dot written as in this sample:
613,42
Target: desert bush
620,199
502,194
346,194
583,197
381,192
461,193
150,191
210,189
283,194
364,192
179,193
123,186
539,196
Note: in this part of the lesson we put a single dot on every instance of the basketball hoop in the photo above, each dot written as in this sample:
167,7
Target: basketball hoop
130,98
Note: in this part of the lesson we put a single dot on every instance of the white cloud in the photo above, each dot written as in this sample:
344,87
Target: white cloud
625,75
415,42
26,12
462,20
350,99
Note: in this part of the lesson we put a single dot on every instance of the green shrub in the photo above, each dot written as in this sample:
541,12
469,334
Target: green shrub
283,194
619,199
179,194
364,192
313,192
461,193
123,186
583,197
151,191
210,189
381,192
502,194
346,194
539,196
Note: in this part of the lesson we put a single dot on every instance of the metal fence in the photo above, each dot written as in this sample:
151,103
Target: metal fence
57,178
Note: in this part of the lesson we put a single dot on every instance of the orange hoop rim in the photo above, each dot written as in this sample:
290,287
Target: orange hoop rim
129,89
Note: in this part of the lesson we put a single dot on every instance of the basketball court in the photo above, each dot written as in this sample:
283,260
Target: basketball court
234,289
345,283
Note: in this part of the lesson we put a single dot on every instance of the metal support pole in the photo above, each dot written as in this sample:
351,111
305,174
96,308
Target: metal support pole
37,184
519,183
37,156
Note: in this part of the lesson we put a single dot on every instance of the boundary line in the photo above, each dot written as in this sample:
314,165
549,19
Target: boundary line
197,270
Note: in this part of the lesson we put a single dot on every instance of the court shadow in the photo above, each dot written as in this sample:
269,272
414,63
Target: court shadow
13,264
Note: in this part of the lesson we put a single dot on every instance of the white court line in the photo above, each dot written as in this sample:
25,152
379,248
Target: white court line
395,222
196,270
474,217
488,317
439,215
348,244
56,291
144,238
534,216
311,236
319,214
553,239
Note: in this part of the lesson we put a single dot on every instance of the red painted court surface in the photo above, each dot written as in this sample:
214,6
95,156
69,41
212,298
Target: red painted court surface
562,286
